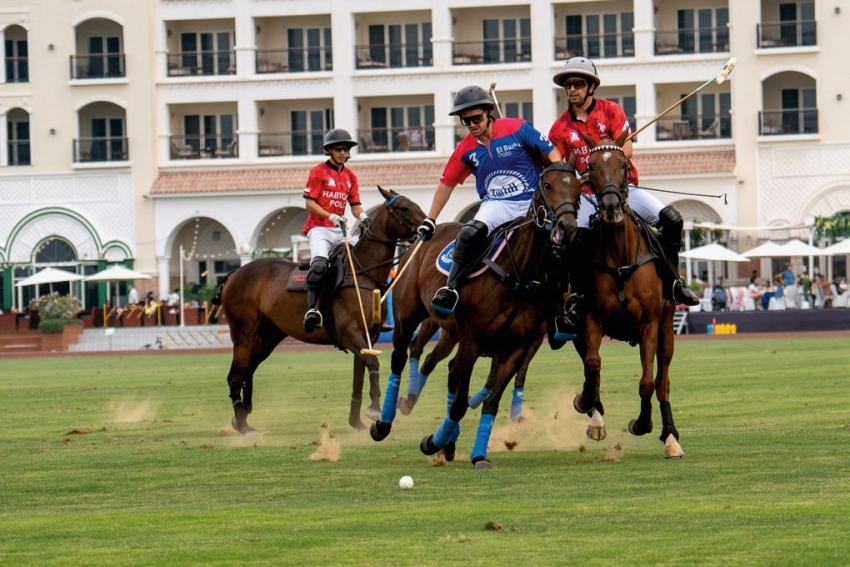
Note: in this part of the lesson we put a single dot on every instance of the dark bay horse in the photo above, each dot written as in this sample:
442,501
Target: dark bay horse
627,303
261,312
501,313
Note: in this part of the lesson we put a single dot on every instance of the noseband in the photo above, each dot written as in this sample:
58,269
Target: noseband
546,215
620,191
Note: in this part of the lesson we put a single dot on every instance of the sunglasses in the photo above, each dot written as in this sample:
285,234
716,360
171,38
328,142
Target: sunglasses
474,119
578,84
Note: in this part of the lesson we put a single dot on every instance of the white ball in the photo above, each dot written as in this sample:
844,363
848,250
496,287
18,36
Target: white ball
405,483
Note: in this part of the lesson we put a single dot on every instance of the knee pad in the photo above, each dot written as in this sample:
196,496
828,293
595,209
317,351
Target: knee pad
669,218
470,240
318,269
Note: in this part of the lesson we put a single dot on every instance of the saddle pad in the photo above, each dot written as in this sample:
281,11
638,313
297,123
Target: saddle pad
444,260
297,280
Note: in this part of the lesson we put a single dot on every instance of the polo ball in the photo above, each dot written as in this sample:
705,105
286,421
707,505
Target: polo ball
405,483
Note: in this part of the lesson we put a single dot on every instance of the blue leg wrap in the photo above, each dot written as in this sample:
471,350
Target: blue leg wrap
516,402
447,431
450,398
414,385
485,428
478,398
390,398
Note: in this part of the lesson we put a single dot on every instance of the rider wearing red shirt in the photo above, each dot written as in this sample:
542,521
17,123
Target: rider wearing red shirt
605,120
330,187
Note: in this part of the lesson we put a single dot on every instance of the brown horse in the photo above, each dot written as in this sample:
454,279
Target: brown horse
261,312
627,303
501,313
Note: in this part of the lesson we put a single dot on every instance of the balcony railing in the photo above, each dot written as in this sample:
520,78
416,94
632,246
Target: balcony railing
17,70
595,46
700,127
788,122
410,139
202,63
100,149
298,60
204,147
694,40
393,55
19,152
786,34
297,143
491,51
98,66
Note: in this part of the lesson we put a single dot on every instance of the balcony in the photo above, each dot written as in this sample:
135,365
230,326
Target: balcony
17,70
298,60
204,147
98,66
202,63
695,40
786,34
291,144
702,127
491,51
595,46
789,122
409,139
393,55
19,153
104,149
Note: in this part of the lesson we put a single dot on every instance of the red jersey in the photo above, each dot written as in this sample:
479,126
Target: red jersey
332,189
605,121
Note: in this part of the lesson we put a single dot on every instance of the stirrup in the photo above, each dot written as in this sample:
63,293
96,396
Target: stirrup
312,320
566,328
445,301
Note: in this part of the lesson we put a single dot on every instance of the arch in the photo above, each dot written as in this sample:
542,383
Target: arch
167,244
97,14
788,69
36,227
100,98
692,209
828,200
116,251
278,227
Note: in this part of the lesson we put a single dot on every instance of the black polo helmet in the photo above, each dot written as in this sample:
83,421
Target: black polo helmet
338,137
577,67
471,97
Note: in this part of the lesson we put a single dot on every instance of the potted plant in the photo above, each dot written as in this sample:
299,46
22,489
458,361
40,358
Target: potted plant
58,320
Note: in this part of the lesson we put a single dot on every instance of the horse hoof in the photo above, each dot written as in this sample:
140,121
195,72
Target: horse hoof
672,448
427,446
380,430
405,405
243,428
596,432
449,451
635,430
373,414
577,404
355,423
482,464
518,418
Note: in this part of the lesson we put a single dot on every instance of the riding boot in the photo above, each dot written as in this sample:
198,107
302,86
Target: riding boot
670,238
313,317
470,242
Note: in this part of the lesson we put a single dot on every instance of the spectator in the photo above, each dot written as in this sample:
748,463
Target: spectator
787,275
174,297
770,292
837,286
825,289
132,296
719,299
754,290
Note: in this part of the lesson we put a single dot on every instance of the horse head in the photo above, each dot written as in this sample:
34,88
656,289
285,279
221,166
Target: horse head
559,185
608,171
398,219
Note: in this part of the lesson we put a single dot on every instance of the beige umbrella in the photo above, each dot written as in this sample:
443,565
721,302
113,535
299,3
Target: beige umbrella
799,248
769,249
116,274
49,276
837,249
714,252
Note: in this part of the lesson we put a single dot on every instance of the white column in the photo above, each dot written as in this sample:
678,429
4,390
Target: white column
162,263
543,50
4,155
246,110
3,77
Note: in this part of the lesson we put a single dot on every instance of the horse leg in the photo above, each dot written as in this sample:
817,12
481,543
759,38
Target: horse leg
248,353
373,412
460,372
501,372
359,372
519,383
419,376
669,434
588,401
648,350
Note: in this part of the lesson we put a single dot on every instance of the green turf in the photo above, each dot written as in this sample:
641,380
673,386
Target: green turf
126,460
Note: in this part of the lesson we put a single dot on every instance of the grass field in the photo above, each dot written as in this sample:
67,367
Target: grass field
129,460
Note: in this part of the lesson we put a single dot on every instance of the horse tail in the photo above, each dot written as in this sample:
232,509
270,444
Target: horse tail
216,300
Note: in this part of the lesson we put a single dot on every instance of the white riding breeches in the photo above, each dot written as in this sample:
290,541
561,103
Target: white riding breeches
495,212
322,240
641,201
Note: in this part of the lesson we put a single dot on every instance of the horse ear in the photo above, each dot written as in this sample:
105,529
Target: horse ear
387,195
587,139
621,139
572,161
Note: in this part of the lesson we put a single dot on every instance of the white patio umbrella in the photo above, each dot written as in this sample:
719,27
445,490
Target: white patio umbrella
837,249
116,274
799,248
769,249
714,252
49,276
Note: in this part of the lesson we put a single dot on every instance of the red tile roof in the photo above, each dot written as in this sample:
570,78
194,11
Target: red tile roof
397,174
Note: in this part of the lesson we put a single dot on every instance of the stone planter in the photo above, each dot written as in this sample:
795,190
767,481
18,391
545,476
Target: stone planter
59,342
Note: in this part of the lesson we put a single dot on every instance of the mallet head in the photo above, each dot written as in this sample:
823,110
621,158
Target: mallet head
724,73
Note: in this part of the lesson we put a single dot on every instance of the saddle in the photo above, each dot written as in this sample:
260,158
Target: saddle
338,274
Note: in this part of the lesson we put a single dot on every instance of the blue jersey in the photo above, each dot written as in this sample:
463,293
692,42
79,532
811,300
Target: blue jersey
509,169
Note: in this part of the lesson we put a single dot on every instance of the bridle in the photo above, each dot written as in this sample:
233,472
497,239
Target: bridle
544,214
621,191
391,209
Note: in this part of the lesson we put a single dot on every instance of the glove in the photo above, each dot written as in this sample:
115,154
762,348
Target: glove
365,220
426,229
337,220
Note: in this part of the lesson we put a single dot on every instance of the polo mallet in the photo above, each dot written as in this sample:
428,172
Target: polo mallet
364,351
401,271
719,78
495,100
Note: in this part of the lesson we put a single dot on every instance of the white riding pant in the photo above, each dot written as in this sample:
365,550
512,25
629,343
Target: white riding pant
495,212
322,240
641,201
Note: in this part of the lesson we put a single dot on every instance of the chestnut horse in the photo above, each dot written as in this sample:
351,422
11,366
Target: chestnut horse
501,313
627,302
261,312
